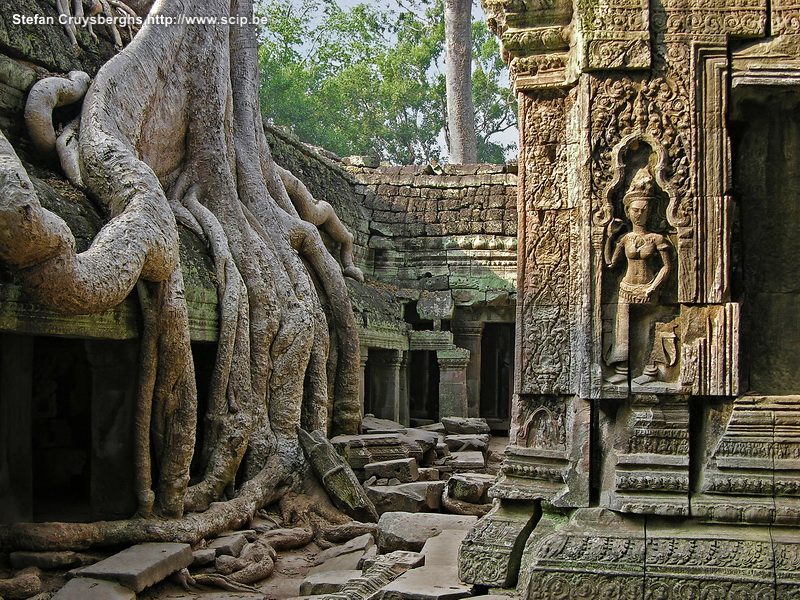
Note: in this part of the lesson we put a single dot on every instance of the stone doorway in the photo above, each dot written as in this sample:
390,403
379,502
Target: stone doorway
767,270
423,386
497,373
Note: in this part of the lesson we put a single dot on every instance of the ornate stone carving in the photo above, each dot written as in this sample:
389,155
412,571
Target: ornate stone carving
648,469
548,457
710,20
785,17
752,475
491,552
710,349
616,33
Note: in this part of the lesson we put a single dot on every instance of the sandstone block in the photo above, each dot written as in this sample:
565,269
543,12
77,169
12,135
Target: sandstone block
428,583
327,582
229,545
408,531
465,425
466,461
404,469
93,589
142,565
467,441
421,496
470,487
442,549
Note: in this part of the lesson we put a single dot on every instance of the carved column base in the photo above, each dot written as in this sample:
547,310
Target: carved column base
600,554
753,475
490,554
649,467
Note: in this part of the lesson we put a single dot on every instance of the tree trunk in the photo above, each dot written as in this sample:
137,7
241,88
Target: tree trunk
458,77
171,128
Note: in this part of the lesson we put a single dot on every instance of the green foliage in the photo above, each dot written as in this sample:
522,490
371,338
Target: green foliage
368,81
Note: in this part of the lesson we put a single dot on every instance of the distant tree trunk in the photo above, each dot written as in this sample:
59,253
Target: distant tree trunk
458,74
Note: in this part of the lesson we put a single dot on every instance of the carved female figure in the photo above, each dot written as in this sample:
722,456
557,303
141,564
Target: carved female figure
642,249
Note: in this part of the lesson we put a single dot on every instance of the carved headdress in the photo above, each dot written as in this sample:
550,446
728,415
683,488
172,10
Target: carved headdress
643,187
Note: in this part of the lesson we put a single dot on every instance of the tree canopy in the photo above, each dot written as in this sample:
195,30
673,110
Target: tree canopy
368,80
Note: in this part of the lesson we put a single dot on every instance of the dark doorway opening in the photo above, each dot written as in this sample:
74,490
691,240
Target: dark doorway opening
423,388
61,401
497,373
766,268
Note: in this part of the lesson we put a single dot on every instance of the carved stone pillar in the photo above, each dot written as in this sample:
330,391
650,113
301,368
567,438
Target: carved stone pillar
453,382
404,394
362,372
468,334
385,383
16,461
114,380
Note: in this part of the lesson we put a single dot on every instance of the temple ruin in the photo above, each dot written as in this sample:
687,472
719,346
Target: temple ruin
623,300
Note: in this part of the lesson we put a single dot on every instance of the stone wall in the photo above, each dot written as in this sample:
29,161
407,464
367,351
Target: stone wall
655,431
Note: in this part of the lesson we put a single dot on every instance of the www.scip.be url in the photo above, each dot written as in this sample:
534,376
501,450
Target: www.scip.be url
136,21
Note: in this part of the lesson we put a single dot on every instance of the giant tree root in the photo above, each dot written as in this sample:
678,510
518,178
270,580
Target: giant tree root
263,489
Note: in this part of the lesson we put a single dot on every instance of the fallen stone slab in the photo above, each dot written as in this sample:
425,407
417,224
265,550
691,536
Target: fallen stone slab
442,549
428,583
343,562
428,474
229,545
326,582
404,558
465,425
466,461
426,440
142,565
409,531
360,543
434,427
404,469
203,557
233,596
84,588
422,496
467,441
470,487
370,424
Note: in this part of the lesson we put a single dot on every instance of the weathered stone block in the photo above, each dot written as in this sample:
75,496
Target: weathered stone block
428,583
467,441
466,461
93,589
470,487
404,469
421,496
442,549
326,582
409,531
228,545
458,425
142,565
491,553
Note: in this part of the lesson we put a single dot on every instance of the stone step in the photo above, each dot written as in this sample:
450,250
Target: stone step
142,565
328,582
84,588
442,549
428,583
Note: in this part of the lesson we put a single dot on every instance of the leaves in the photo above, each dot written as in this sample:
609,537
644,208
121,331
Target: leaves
368,80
